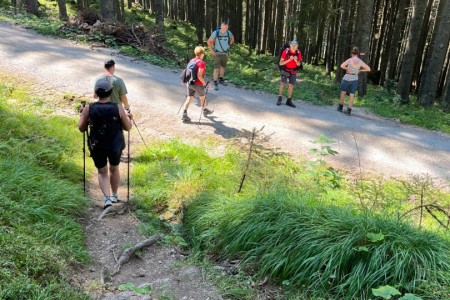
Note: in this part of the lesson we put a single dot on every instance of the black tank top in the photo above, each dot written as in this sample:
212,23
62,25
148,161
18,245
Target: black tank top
105,127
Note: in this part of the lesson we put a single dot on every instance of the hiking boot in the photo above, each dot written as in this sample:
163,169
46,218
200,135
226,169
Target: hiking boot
185,117
340,108
115,198
280,99
290,103
207,112
108,203
216,86
222,82
348,112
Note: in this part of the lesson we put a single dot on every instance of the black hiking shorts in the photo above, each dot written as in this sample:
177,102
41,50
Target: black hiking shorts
101,157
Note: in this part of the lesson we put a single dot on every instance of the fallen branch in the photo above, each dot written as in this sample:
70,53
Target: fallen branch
106,211
125,256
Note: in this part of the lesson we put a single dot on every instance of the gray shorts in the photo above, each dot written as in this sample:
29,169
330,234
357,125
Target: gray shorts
220,61
196,88
292,79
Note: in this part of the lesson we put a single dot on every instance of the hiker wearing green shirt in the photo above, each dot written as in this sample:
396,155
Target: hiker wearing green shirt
119,92
219,44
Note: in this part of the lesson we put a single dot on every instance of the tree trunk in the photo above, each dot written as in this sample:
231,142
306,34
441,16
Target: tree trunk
30,6
407,67
436,55
446,96
343,49
62,10
365,16
200,22
279,24
159,15
331,44
395,43
110,10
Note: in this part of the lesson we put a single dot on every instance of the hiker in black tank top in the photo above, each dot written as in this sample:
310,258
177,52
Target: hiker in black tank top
106,121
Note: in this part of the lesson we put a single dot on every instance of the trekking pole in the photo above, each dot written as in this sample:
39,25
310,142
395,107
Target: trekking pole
83,104
140,134
201,108
128,173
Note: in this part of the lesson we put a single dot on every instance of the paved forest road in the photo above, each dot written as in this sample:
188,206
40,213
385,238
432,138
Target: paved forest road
155,95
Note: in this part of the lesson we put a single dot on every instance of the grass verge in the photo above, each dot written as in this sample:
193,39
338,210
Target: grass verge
40,199
300,224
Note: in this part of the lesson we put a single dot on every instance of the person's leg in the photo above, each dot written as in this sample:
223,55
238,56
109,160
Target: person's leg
289,96
223,65
290,90
187,103
342,98
350,102
292,82
105,187
280,90
216,71
215,74
114,178
203,101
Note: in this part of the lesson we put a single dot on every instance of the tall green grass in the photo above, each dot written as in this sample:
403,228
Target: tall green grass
40,199
302,230
321,250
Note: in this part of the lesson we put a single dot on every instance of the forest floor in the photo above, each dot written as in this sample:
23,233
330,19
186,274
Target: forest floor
375,144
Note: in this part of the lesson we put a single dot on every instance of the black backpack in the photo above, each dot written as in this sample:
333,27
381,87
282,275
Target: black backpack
189,74
105,128
283,49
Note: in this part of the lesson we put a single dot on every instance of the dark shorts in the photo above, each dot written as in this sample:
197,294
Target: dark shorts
220,60
196,88
292,79
349,86
101,158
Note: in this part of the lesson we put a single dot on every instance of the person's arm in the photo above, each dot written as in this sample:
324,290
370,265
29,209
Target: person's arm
365,68
125,118
83,122
200,75
124,100
344,65
298,59
283,59
231,39
211,44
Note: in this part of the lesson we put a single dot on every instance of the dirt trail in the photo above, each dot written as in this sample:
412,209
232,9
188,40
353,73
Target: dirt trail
160,266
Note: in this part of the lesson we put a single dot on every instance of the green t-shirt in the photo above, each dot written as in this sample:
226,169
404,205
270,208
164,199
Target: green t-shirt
119,88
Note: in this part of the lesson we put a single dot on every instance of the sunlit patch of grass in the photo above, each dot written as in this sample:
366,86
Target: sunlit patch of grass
40,198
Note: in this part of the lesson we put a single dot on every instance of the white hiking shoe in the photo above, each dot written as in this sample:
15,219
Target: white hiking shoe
115,198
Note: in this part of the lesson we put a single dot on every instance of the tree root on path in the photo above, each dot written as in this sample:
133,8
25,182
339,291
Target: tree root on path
127,253
106,211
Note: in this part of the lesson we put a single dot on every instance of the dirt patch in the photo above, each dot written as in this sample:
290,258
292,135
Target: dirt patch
160,266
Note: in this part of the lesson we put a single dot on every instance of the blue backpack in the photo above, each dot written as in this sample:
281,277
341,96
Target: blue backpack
189,74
